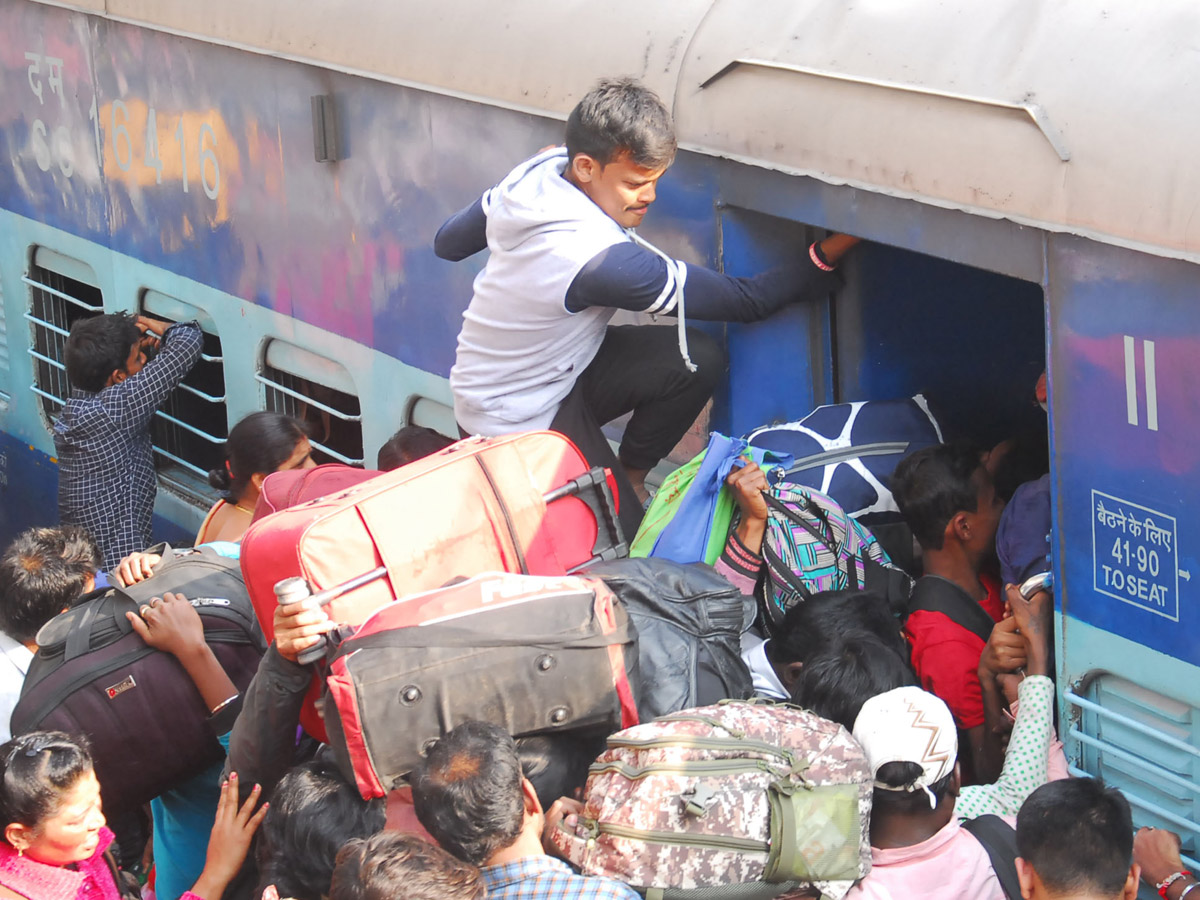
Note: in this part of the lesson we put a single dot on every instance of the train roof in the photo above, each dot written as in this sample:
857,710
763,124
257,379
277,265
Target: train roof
1060,115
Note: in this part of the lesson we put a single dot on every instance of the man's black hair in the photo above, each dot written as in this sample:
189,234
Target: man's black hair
557,764
467,791
44,571
837,681
410,443
99,346
815,624
906,803
314,812
620,115
935,484
1077,835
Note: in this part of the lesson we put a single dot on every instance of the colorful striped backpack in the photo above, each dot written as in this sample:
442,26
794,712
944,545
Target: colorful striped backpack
812,545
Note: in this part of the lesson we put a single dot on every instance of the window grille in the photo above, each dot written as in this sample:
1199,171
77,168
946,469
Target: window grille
4,363
320,393
61,292
190,428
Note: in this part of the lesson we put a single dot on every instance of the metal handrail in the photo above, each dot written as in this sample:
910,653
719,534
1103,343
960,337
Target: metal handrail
1153,768
1141,728
54,292
36,321
211,438
182,462
199,393
345,417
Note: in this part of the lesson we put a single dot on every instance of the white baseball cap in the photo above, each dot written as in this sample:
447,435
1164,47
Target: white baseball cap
909,725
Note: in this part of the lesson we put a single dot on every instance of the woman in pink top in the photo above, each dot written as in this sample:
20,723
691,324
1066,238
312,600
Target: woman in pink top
55,845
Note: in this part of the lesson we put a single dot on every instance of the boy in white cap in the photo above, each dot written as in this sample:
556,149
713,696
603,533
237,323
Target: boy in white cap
918,848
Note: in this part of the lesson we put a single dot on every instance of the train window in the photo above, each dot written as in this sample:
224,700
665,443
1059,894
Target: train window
189,430
320,393
61,292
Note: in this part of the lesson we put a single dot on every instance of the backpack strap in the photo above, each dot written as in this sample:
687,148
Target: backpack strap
937,594
999,839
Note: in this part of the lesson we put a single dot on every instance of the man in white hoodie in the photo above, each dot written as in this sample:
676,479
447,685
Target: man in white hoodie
536,350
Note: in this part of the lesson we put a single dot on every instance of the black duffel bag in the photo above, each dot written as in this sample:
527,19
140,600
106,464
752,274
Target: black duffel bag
689,624
146,721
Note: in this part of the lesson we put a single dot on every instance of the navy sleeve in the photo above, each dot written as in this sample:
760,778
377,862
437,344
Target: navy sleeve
627,276
463,234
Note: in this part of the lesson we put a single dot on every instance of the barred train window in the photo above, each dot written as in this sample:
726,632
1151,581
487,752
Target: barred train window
61,292
4,366
320,393
191,426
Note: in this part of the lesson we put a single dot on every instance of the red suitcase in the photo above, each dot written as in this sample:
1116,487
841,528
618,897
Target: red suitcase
524,503
535,655
283,490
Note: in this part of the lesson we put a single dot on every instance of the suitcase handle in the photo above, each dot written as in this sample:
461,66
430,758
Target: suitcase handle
594,490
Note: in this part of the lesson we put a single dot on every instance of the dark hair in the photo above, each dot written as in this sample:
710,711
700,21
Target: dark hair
620,115
557,764
99,346
816,623
837,681
44,571
390,865
38,768
314,811
1077,834
935,484
467,791
261,442
410,443
900,774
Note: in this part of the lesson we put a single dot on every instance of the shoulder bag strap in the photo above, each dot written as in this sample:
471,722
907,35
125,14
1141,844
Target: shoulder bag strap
937,594
999,839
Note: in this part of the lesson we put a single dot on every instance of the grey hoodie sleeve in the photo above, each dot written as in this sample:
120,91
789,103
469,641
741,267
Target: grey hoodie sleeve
463,234
627,276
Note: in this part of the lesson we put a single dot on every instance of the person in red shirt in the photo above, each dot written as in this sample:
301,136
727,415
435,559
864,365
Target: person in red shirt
947,497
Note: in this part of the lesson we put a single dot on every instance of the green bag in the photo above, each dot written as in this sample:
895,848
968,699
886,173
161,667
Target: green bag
665,504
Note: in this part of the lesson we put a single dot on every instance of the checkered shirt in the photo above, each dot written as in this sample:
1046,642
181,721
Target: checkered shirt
106,480
546,878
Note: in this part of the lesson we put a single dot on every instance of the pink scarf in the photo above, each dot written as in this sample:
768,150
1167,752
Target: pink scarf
90,880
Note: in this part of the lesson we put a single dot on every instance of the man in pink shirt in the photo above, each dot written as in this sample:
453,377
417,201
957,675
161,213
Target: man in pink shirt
918,848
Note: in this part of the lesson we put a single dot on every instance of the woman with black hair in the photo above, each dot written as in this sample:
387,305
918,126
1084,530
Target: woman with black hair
55,845
261,443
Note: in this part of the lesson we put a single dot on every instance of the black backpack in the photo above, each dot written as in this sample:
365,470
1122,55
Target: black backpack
937,594
689,625
146,721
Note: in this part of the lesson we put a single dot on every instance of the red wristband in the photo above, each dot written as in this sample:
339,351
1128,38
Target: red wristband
818,258
1164,885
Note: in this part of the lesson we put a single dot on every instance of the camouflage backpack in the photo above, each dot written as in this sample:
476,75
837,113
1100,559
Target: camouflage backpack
735,801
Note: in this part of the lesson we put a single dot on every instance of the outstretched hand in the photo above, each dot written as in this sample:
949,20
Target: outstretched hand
136,567
299,626
1034,620
1005,650
748,484
230,839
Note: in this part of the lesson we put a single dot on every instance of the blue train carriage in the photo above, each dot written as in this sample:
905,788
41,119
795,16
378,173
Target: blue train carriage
1020,171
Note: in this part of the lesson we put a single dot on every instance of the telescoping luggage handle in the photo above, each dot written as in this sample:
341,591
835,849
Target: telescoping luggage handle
592,488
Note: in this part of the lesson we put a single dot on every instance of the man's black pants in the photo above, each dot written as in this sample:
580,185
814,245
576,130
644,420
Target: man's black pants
638,369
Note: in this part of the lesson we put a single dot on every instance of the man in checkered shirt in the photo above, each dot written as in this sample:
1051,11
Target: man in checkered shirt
106,479
470,794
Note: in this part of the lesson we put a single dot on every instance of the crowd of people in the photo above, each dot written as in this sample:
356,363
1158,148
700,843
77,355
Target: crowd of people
971,795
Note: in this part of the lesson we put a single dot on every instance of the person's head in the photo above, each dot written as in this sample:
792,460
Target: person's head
557,764
836,682
43,572
620,141
103,350
410,443
1075,839
261,443
469,792
945,494
49,798
911,744
390,865
314,812
817,623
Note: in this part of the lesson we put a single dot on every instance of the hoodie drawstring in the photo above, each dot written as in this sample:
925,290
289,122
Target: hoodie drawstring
677,272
